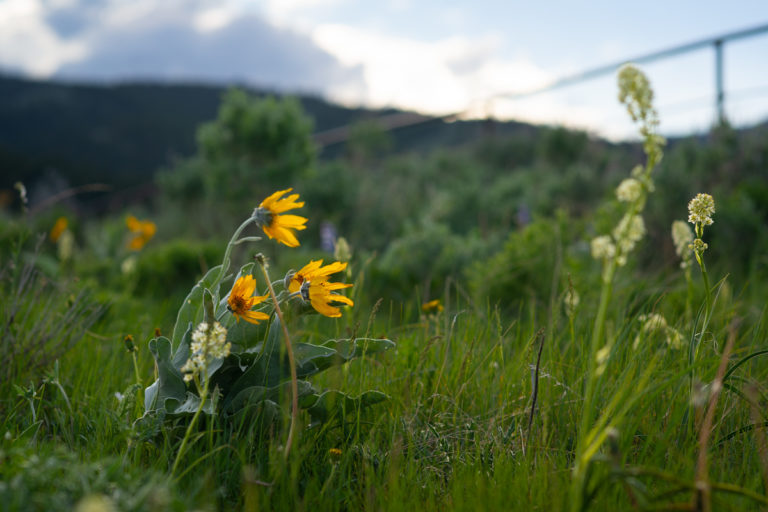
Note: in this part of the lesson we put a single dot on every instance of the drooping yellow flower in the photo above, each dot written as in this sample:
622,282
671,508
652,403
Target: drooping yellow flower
433,305
279,226
321,297
312,282
143,231
314,271
241,300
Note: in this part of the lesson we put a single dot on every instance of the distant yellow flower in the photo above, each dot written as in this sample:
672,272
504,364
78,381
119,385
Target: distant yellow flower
58,228
314,271
241,300
433,305
143,231
279,226
321,296
335,453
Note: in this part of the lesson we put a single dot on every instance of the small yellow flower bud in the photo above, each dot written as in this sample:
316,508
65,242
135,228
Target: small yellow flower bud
698,246
130,346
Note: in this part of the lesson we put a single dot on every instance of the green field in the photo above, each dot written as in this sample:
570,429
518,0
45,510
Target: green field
525,333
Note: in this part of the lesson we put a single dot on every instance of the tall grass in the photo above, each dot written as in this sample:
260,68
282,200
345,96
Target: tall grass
454,435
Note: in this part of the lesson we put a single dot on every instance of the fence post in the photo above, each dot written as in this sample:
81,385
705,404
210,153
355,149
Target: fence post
720,93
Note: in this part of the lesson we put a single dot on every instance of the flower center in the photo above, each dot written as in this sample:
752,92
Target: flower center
238,304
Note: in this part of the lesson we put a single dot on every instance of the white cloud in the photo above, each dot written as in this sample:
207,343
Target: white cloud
215,18
295,14
29,44
438,77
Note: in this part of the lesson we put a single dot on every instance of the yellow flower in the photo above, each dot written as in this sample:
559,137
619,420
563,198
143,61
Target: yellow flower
321,297
279,226
143,231
433,305
241,300
58,228
312,282
314,271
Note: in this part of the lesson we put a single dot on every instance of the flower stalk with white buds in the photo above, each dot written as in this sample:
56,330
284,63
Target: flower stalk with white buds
636,94
209,342
700,210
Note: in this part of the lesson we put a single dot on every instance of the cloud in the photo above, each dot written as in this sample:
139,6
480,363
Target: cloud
212,46
29,44
439,77
201,40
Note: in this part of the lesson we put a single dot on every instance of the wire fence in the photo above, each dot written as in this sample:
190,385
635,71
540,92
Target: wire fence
717,105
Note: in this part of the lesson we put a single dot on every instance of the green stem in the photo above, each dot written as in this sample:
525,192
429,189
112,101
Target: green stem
597,336
136,368
689,294
232,242
184,441
291,360
580,468
707,289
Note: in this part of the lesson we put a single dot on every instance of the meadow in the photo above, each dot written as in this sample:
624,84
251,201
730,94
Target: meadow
540,321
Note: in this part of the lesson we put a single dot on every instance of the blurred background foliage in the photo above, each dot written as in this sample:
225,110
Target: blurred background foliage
495,213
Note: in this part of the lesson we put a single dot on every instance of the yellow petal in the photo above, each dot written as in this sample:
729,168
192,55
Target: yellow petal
148,229
254,316
290,221
336,286
285,236
285,204
342,299
133,223
273,198
334,267
324,309
310,267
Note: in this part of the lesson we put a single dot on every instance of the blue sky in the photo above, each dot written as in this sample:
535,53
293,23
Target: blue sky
428,55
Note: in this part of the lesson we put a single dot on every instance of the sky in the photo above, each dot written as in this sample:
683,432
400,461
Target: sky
431,56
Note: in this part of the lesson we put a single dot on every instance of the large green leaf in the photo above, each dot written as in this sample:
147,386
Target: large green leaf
255,394
262,368
192,309
169,390
191,404
183,350
270,368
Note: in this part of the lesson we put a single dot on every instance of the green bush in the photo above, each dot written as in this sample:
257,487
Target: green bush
424,257
522,269
167,270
